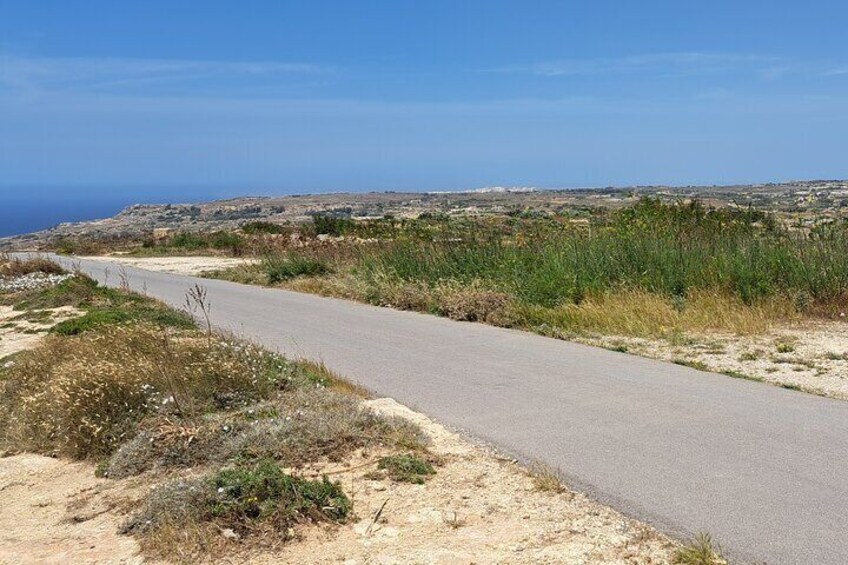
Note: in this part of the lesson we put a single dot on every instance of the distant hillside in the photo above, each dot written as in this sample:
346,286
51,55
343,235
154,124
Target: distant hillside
819,197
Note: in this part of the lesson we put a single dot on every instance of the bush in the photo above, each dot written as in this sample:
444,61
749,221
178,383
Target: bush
665,249
283,268
330,225
85,396
261,227
303,424
20,267
246,499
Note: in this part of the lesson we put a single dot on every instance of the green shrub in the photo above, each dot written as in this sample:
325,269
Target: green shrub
262,227
283,268
330,225
264,491
666,249
406,468
244,499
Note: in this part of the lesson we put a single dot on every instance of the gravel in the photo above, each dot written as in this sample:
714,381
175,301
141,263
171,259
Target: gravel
31,281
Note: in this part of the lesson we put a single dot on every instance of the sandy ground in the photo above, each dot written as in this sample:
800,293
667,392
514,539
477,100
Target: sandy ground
58,512
812,356
175,265
19,334
479,508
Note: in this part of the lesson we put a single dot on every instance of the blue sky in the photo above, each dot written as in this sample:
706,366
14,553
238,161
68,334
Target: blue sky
174,99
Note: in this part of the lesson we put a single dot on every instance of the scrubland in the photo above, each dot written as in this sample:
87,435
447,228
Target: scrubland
181,444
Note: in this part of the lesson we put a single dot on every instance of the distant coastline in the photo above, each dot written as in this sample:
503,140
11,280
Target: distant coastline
20,216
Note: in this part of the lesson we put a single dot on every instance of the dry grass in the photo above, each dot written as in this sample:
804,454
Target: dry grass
700,551
84,396
643,314
625,312
19,267
138,397
474,303
546,479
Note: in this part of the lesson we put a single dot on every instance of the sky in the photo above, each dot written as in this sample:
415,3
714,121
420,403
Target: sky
177,100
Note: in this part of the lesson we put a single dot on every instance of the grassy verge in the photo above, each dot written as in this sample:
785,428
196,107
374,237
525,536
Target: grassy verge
652,270
221,425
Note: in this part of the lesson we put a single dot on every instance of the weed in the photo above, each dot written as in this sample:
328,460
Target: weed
406,468
279,269
692,363
700,551
741,375
546,479
453,520
752,355
785,346
300,425
243,499
85,396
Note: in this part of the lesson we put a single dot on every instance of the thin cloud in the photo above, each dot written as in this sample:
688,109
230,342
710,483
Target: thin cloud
33,73
658,63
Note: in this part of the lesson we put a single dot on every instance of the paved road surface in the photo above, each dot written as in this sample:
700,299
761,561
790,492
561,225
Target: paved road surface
763,469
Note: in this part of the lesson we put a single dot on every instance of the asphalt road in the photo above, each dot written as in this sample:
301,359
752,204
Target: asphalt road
762,469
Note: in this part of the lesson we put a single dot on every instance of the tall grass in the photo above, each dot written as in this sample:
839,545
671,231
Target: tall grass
666,249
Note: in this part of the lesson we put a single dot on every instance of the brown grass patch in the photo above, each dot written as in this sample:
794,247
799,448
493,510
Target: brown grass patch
644,314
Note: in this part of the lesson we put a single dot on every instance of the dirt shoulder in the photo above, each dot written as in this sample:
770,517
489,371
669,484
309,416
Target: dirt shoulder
23,330
175,265
56,511
478,508
809,356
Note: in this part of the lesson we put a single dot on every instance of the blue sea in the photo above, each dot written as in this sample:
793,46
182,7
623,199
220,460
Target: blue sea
18,216
34,208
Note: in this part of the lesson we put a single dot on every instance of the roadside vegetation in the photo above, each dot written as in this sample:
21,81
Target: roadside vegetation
221,426
651,270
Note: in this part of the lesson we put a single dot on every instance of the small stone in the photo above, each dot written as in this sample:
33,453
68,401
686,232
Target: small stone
228,533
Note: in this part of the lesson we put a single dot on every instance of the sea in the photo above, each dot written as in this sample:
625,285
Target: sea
19,215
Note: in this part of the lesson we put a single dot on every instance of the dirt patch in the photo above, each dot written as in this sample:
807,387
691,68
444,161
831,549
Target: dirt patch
23,330
59,512
190,266
811,356
478,508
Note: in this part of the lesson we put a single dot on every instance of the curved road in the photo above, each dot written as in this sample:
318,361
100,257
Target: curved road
763,469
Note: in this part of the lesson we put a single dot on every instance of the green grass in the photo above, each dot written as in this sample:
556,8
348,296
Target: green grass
283,268
250,500
650,270
406,468
131,312
665,249
103,306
